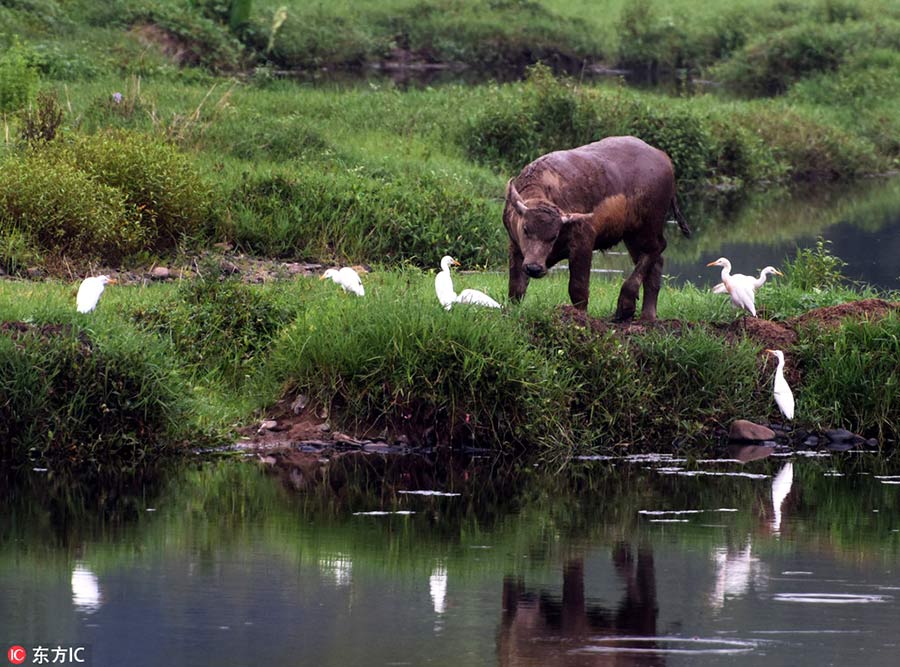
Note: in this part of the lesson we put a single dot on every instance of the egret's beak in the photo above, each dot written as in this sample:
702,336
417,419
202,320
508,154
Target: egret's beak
455,263
712,264
779,273
771,351
322,277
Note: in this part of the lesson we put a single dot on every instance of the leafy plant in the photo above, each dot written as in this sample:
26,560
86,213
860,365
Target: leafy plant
815,268
41,123
18,82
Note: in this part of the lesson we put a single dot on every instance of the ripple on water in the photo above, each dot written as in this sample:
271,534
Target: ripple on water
831,598
423,492
670,645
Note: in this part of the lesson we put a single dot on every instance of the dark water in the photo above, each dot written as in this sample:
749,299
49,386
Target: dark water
862,224
790,561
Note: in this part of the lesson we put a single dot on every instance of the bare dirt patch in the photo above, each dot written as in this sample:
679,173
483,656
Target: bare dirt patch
866,309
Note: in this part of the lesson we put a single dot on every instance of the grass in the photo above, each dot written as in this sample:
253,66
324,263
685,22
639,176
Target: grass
159,152
153,365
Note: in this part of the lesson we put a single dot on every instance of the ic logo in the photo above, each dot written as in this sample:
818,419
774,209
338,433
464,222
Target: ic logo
16,655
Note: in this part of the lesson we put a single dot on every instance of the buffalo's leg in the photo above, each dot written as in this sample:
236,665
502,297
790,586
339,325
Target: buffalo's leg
629,292
580,279
653,280
652,284
518,279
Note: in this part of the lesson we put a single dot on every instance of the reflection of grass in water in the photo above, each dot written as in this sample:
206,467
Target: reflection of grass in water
232,508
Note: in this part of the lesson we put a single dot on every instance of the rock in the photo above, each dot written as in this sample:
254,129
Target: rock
268,425
325,427
839,435
229,268
741,429
34,272
160,273
873,443
299,403
840,446
811,441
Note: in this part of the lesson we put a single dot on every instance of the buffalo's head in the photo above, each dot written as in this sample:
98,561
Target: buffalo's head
540,224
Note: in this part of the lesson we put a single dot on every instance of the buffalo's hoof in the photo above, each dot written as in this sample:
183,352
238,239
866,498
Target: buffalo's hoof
623,318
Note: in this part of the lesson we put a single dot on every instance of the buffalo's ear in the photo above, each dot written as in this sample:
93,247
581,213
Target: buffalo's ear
568,218
512,196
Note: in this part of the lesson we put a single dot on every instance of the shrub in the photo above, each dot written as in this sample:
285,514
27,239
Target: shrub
18,81
218,324
348,215
815,268
69,401
770,65
41,123
851,376
65,211
162,184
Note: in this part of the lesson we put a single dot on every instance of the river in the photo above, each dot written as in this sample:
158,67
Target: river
647,560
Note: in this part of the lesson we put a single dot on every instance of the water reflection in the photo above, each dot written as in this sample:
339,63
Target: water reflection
781,487
437,586
540,628
86,594
547,569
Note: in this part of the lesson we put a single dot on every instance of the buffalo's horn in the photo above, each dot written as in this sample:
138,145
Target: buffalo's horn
512,195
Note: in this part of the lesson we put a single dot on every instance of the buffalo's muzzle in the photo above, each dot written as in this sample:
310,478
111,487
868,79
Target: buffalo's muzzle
535,270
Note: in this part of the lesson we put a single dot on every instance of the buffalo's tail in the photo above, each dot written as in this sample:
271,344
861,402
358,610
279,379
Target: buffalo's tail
679,217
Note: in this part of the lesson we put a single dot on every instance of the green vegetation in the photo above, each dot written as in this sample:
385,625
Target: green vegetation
147,129
531,377
139,132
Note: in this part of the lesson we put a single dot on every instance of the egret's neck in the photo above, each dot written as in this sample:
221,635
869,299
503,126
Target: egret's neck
726,273
780,369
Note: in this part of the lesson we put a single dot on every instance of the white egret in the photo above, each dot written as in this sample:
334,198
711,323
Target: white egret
741,292
756,282
346,278
89,292
782,392
443,287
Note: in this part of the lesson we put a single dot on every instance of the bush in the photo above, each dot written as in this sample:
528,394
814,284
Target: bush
815,268
18,80
61,209
69,401
347,215
851,376
770,65
162,184
218,324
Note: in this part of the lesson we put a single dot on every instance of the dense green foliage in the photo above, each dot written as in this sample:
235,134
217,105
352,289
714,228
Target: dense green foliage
71,399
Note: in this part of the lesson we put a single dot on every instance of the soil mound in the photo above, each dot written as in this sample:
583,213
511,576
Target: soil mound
830,316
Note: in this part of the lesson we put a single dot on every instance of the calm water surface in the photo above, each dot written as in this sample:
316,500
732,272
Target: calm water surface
648,561
861,222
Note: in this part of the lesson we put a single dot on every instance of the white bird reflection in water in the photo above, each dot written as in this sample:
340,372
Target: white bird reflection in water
86,595
734,574
337,567
437,583
781,487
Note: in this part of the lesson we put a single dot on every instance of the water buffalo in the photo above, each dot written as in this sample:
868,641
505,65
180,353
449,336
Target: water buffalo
567,204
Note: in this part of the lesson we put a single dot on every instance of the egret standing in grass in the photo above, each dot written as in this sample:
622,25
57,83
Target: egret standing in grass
750,280
346,278
783,395
741,292
443,287
89,292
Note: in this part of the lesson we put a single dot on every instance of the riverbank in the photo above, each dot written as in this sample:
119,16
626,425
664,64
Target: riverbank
164,367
